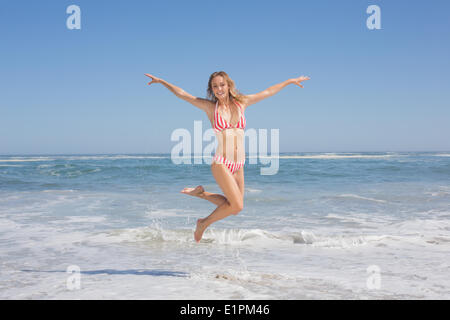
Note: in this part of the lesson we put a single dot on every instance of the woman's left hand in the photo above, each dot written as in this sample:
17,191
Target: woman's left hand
299,80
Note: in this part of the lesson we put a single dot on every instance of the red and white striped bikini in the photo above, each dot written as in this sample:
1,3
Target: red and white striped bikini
221,124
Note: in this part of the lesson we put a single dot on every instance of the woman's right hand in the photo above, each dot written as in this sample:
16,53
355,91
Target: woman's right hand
154,79
299,80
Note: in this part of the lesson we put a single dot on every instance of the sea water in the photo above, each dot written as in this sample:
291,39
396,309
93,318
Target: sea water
325,226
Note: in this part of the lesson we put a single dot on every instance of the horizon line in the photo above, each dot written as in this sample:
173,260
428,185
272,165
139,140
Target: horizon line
158,153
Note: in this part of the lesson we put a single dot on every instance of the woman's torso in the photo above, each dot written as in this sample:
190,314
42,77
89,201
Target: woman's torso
229,132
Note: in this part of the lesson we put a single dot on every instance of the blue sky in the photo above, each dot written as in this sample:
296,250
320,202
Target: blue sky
84,91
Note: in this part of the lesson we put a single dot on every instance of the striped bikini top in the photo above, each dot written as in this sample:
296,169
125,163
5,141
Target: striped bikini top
221,124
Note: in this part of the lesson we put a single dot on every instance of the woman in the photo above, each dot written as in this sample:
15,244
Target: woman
225,110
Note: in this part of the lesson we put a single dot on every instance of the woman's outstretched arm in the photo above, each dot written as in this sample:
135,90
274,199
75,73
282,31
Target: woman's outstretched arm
254,98
180,93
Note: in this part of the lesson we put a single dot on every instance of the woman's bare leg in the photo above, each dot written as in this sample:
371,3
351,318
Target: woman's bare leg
199,192
234,200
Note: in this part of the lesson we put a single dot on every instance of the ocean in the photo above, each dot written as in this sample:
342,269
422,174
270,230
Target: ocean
367,225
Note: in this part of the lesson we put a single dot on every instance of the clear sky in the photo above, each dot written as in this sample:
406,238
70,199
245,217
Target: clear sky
84,91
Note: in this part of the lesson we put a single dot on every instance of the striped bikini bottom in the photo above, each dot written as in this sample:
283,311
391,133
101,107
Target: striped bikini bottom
231,165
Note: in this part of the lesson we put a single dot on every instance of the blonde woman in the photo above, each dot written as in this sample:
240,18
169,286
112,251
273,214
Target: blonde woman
225,108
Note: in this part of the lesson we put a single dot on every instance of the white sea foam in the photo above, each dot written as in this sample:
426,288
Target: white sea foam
442,155
253,190
27,159
234,237
81,157
228,263
422,226
337,156
111,157
355,196
165,212
85,219
357,218
58,191
11,165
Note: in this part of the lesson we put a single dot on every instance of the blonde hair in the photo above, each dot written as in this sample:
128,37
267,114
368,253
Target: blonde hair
233,93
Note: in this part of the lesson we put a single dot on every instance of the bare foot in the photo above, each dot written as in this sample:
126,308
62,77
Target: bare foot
197,191
201,226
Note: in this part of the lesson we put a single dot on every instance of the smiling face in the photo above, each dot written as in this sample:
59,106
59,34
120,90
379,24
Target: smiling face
220,88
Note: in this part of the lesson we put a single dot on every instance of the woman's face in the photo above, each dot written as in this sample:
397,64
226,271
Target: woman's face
220,87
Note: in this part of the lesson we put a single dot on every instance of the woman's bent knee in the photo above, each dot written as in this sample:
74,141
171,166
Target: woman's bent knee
236,207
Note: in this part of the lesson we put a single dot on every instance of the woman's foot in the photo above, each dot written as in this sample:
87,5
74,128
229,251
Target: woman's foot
201,226
196,192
